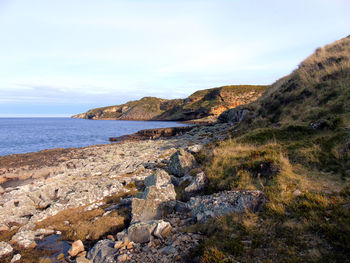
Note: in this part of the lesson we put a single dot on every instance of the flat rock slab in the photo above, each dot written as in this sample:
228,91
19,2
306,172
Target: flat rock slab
227,202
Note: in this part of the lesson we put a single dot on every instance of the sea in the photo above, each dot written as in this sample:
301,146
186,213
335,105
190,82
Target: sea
23,135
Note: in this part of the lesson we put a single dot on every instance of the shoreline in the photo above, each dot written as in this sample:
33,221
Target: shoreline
48,182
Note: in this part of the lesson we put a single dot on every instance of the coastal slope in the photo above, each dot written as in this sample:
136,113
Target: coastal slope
203,104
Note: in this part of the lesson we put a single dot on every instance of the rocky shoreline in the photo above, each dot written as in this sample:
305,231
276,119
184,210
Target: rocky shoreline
40,186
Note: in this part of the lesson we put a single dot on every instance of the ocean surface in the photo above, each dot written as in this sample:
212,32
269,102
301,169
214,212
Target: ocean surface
23,135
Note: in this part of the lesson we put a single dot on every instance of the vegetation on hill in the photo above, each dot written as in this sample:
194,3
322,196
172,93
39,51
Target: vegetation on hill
201,104
293,144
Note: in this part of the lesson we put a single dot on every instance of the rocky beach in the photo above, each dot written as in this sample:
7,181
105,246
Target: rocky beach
137,177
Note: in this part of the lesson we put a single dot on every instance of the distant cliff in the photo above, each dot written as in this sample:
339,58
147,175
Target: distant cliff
203,105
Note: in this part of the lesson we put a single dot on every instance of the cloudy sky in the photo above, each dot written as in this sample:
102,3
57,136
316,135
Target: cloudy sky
63,57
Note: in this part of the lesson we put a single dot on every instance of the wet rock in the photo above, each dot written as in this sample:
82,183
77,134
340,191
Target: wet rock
76,248
197,185
150,206
102,252
158,178
181,163
205,207
5,249
16,258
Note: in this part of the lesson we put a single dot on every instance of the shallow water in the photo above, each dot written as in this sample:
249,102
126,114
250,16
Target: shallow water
54,246
23,135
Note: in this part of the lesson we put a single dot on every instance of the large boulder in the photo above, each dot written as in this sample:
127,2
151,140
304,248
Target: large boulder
181,163
227,202
158,178
153,199
197,185
102,252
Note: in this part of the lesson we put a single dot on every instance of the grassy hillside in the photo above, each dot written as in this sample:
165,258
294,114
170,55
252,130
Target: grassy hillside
201,104
293,144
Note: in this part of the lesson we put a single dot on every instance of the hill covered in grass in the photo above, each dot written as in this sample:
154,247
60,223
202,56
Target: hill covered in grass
293,143
203,104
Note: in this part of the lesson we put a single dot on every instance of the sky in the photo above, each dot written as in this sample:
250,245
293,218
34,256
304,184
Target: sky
63,57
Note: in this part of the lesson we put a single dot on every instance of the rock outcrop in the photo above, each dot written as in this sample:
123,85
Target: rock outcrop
203,105
181,163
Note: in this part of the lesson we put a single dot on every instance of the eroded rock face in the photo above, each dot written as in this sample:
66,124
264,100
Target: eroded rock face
102,252
205,207
158,178
150,206
181,163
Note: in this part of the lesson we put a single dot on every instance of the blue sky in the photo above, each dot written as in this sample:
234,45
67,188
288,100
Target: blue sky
59,58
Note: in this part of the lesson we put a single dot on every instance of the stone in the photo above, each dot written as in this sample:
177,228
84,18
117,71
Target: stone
181,163
76,248
102,252
162,229
158,178
82,259
122,258
111,237
227,202
297,193
167,250
118,244
24,239
5,249
141,232
195,148
4,228
150,206
197,185
16,258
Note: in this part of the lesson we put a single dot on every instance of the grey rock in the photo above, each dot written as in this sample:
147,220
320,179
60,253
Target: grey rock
158,178
102,252
16,258
150,206
141,232
162,229
25,239
197,185
181,163
195,148
233,116
205,207
5,249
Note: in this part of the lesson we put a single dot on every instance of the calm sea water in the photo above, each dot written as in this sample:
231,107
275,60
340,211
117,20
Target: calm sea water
22,135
